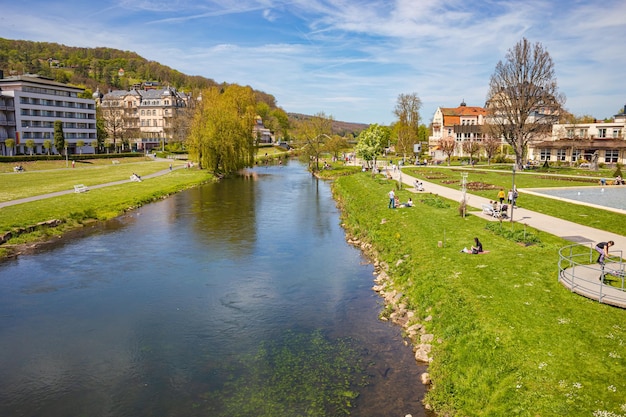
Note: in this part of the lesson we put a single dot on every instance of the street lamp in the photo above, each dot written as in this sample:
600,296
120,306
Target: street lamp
513,193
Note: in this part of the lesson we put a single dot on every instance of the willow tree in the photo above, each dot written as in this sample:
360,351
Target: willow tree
221,138
523,99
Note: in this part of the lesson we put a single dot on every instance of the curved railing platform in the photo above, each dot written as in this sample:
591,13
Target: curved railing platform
579,272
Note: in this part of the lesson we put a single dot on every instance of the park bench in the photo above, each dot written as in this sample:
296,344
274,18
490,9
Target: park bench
115,162
80,188
488,210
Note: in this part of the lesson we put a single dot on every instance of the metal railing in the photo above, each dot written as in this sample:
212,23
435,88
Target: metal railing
578,270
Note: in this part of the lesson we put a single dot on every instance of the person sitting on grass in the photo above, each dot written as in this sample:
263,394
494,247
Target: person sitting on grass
476,249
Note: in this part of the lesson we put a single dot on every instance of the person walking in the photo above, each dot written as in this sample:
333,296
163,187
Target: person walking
501,195
392,199
603,249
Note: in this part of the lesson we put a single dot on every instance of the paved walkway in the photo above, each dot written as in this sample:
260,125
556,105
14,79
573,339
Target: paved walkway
567,230
581,279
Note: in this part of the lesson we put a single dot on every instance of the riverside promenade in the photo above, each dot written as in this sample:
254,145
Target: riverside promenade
588,278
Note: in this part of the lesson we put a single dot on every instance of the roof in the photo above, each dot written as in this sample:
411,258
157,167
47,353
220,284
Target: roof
37,79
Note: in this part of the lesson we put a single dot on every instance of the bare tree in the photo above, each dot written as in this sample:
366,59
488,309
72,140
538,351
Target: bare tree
406,137
471,147
490,146
447,145
523,99
407,111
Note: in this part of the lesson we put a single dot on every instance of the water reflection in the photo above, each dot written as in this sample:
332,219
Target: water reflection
164,311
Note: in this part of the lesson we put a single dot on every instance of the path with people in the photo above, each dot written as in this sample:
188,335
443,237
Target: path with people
581,279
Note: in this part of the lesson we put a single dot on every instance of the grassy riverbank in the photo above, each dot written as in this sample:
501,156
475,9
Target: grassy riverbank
509,339
76,209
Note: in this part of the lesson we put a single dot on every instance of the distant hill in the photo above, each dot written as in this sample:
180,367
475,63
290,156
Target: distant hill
339,127
114,69
103,68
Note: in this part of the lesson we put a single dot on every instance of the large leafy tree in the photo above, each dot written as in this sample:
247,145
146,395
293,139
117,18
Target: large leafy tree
221,137
59,136
523,99
371,143
312,135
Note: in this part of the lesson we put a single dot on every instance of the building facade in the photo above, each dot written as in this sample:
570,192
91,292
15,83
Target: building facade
142,119
29,107
598,142
463,123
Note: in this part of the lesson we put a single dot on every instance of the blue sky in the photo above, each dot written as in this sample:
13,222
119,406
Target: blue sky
350,58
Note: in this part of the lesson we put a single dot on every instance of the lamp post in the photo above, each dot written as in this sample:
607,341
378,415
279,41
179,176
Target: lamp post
513,193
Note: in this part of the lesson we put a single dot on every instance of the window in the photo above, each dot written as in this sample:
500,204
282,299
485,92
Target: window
545,155
570,133
611,156
617,133
575,155
561,154
602,133
583,133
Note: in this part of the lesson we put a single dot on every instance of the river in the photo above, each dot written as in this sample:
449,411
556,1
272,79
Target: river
236,298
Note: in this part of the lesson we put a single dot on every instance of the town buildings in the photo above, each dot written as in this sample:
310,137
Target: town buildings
463,123
596,142
602,142
143,118
29,106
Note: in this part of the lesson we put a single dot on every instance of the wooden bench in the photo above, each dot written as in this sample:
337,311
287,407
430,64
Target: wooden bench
80,188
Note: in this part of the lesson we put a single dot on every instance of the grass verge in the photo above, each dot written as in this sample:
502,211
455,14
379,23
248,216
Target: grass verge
509,339
76,209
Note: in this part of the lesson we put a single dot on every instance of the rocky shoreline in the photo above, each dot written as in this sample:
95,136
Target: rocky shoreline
395,309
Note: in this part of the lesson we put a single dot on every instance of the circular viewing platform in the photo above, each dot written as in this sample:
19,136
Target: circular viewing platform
579,272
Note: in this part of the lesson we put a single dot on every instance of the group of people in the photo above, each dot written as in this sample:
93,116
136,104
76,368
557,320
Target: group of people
394,201
418,185
500,208
617,181
511,196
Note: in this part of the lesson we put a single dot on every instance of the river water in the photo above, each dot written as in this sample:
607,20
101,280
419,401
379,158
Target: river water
237,298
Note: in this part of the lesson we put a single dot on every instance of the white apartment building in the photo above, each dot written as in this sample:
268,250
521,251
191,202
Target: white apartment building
29,106
604,142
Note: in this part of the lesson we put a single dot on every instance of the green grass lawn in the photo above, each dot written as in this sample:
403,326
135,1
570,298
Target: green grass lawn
487,183
76,209
43,177
509,339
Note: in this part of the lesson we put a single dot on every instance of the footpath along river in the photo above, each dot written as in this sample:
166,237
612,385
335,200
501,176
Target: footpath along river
220,300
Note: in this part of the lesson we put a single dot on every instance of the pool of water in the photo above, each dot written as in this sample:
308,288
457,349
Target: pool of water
608,196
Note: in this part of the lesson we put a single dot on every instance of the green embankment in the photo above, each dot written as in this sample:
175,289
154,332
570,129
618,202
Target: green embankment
509,339
77,209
